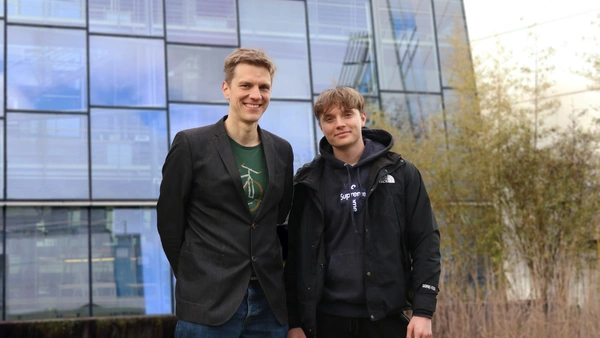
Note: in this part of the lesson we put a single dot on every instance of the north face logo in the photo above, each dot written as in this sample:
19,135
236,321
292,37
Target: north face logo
387,179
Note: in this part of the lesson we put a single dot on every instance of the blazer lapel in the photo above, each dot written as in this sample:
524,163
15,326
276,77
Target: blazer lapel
269,150
223,146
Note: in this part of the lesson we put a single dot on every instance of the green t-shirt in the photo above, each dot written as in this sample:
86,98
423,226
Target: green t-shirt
253,171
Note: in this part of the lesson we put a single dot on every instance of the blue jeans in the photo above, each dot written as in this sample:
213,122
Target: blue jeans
253,319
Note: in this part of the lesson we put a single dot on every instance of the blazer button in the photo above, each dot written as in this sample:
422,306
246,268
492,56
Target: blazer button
254,258
253,225
368,273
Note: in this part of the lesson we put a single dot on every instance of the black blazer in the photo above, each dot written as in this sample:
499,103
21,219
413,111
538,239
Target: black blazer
207,232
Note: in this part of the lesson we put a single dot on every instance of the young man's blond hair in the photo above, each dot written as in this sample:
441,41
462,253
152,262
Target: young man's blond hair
248,56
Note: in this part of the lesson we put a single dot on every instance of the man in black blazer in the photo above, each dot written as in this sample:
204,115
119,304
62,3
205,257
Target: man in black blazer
225,189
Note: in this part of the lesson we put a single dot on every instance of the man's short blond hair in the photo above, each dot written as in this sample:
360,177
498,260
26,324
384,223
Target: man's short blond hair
248,56
345,98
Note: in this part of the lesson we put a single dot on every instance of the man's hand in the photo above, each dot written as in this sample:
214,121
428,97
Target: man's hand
419,327
296,332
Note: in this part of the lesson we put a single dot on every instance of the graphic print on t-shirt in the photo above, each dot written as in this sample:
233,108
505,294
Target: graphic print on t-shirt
252,188
252,166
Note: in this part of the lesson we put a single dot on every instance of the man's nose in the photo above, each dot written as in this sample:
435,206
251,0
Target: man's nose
255,93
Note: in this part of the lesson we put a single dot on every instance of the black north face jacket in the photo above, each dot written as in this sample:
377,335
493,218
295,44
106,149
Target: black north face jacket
402,241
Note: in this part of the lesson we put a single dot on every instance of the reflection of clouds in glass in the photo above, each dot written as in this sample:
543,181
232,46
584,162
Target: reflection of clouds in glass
126,17
70,13
279,28
205,22
128,150
51,244
330,39
196,73
413,109
144,283
407,58
186,116
46,69
47,156
292,121
127,72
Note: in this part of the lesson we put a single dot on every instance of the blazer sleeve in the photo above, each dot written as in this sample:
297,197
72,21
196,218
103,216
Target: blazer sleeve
290,272
423,244
286,201
173,199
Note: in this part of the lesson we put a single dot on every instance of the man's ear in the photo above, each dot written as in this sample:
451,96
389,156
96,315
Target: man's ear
225,89
363,118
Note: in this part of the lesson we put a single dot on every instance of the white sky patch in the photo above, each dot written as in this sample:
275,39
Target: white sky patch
565,26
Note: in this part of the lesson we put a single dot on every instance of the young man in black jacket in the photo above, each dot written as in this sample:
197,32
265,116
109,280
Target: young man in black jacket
363,241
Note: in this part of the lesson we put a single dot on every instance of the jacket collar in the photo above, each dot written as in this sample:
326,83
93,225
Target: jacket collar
223,147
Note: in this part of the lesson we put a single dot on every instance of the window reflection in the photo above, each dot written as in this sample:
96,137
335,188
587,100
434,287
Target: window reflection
47,263
292,121
129,269
127,72
410,110
186,116
46,69
2,68
450,25
139,17
341,45
2,262
279,28
128,150
196,73
406,54
1,163
206,22
52,12
47,156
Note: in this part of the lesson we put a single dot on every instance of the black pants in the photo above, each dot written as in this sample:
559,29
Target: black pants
330,326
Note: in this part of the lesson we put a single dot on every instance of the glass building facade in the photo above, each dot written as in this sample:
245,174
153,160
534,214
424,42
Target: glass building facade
93,92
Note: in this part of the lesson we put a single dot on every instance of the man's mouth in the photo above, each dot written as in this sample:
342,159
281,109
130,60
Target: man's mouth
251,105
342,133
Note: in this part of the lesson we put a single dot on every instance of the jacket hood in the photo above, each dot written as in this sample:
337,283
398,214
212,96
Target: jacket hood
377,142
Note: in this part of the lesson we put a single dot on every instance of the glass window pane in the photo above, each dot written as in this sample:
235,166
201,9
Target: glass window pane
341,45
196,73
2,261
47,273
406,54
136,17
205,22
279,28
186,116
127,72
2,68
47,156
278,119
1,164
50,12
130,273
450,25
411,110
128,150
46,69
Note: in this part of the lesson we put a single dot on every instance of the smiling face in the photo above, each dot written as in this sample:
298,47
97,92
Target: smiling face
343,128
248,92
